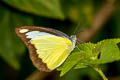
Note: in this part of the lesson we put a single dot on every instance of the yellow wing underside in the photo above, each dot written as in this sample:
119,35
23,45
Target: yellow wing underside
53,50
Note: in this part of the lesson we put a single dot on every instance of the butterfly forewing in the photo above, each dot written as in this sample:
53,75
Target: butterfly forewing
48,47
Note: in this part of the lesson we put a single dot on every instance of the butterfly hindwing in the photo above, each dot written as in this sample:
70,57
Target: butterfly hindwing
52,50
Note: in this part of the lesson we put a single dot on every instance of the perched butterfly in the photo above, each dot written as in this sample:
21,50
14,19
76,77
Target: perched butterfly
48,47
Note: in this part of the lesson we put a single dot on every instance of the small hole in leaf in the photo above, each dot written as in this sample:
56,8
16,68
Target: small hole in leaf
99,55
118,44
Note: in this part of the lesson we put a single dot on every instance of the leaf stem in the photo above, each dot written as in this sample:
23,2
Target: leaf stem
101,73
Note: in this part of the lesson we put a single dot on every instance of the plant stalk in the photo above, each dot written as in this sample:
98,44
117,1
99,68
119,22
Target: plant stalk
101,73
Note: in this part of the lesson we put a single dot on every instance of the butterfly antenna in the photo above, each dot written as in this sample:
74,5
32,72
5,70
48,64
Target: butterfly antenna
76,28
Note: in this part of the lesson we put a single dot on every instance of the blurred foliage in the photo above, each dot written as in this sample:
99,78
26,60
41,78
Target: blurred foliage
79,10
11,48
116,21
49,8
63,15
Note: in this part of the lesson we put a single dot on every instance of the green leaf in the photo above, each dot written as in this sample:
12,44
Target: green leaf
89,54
48,8
78,55
11,47
105,51
80,65
72,60
108,51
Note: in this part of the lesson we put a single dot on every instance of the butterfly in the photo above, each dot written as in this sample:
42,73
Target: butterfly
48,48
